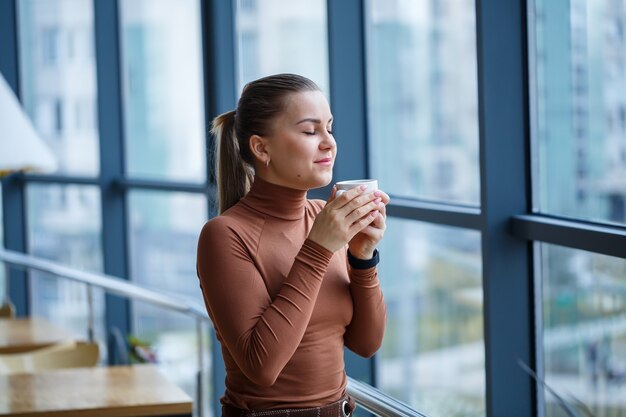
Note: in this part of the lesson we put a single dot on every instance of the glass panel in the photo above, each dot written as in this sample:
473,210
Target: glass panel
64,226
579,61
275,36
422,98
584,330
3,286
433,352
58,72
163,238
163,89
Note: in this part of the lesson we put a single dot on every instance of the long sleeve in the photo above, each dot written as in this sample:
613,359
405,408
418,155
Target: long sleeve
365,333
261,334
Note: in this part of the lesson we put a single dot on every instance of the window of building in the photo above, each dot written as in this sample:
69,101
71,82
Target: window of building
289,36
50,39
163,236
64,226
422,97
584,320
575,102
165,132
44,24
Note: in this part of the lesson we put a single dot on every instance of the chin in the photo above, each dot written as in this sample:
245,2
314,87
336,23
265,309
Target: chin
321,181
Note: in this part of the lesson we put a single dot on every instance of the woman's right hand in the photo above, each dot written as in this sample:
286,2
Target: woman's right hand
343,217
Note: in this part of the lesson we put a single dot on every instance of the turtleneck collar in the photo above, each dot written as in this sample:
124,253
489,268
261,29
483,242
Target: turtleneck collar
276,200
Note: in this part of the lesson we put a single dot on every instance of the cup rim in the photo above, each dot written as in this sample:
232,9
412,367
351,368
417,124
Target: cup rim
351,182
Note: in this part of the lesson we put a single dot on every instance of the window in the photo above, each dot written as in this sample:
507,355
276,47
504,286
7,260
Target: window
58,116
576,94
422,98
164,231
584,320
49,81
282,36
64,226
163,89
433,352
3,276
50,46
578,106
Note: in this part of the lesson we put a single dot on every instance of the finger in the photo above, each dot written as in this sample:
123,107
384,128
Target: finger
358,202
382,208
374,234
379,223
385,197
362,223
347,197
363,210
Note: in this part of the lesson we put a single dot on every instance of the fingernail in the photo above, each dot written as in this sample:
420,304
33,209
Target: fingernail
378,200
362,187
377,193
375,213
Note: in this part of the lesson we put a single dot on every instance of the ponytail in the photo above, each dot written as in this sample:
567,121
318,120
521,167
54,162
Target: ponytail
234,175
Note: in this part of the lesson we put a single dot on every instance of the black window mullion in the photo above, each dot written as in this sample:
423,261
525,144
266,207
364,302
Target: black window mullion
438,213
13,192
577,234
505,191
110,126
220,83
59,179
346,48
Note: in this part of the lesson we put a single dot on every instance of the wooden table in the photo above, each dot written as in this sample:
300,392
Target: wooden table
25,334
120,391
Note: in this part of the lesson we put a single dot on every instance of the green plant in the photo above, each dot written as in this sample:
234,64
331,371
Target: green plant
140,351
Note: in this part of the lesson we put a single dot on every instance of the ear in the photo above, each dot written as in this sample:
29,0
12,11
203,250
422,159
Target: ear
258,147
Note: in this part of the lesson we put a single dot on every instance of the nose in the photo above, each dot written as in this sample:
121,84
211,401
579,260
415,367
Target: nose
328,141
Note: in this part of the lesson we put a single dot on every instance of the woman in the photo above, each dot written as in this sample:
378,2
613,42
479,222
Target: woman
288,281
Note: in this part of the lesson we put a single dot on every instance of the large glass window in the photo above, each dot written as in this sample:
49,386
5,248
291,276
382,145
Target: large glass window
58,73
64,226
3,278
422,98
163,89
275,36
579,65
164,231
433,352
584,330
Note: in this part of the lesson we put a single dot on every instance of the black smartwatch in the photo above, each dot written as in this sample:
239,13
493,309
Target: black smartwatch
357,263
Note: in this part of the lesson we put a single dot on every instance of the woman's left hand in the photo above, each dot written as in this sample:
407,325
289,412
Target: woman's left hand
364,243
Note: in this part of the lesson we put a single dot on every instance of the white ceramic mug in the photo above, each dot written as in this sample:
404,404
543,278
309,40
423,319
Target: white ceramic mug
343,186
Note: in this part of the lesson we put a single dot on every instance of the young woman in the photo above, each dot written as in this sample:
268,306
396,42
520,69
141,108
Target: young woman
287,281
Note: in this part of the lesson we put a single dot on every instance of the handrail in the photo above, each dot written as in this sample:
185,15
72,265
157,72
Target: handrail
365,395
110,283
378,402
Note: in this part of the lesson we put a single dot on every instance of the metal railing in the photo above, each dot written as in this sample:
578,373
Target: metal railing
365,395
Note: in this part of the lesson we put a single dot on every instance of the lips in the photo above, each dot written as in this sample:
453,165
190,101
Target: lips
324,161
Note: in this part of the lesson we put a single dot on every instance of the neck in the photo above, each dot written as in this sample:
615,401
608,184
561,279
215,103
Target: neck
276,200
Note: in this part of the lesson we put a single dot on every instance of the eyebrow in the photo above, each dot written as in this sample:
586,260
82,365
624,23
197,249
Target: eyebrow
309,119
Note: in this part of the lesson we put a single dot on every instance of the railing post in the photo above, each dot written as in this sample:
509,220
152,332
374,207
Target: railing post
200,386
90,316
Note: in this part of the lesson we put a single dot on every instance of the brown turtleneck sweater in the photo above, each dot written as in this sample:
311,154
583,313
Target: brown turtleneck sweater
283,306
